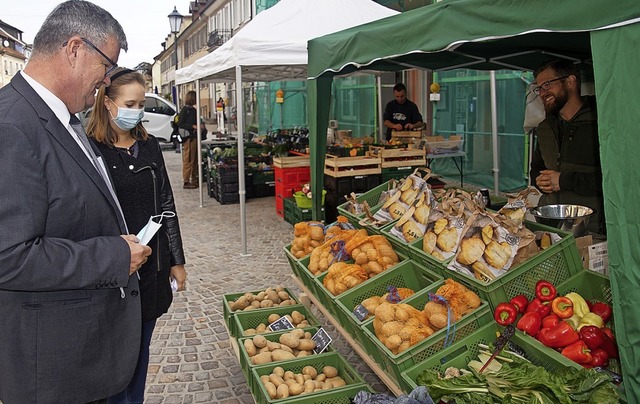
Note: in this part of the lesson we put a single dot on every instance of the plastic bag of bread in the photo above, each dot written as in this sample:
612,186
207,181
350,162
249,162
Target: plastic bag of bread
306,237
374,253
446,223
489,245
400,326
517,205
413,223
395,295
331,251
450,302
342,277
404,195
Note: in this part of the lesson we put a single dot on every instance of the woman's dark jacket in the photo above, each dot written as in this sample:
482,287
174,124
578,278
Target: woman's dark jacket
143,189
188,117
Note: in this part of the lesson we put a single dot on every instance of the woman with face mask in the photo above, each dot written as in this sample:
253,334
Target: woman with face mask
135,163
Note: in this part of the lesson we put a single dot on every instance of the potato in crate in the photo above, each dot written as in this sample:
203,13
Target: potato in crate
329,380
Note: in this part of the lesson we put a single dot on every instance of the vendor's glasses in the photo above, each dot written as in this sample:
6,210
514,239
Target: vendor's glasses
112,65
546,85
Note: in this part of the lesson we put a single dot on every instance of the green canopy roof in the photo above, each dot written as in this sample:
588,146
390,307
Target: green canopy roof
477,34
520,34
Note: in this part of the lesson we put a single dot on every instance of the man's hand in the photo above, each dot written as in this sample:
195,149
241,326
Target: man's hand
548,181
139,252
180,275
397,126
409,126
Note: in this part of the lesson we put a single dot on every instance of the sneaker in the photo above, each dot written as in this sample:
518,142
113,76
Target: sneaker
190,186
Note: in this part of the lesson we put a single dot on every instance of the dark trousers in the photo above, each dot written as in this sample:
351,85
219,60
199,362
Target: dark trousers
134,393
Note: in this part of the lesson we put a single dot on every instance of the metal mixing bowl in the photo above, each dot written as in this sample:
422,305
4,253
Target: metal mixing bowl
570,218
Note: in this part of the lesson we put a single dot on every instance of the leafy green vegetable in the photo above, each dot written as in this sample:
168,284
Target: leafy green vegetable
468,383
522,382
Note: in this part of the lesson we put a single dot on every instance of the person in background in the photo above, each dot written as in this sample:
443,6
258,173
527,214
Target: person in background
142,185
401,113
190,150
566,160
68,291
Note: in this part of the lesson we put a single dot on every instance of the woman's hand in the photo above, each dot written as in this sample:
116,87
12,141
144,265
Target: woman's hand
180,275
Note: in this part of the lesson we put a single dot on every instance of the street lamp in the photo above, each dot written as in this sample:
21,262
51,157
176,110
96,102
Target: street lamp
175,21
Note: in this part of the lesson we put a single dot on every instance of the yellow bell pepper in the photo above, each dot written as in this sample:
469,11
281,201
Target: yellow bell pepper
591,319
580,306
574,321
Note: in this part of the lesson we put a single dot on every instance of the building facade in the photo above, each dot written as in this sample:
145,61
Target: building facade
14,52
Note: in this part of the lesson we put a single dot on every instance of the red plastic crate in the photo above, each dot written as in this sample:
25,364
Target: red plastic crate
292,177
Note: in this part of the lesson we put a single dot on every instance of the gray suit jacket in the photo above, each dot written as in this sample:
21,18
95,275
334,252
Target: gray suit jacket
67,335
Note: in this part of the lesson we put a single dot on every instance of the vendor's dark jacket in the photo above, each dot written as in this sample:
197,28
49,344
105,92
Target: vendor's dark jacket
572,148
143,189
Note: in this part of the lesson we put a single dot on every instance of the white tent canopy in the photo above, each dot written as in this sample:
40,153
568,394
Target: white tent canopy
273,45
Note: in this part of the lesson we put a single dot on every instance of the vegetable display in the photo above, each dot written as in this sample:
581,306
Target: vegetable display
283,384
517,380
296,318
569,324
294,344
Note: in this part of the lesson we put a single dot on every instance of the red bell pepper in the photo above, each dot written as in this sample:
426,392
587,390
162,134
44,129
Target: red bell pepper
545,290
609,345
505,314
530,323
599,357
609,332
592,336
550,321
562,306
521,302
538,306
559,336
578,352
602,309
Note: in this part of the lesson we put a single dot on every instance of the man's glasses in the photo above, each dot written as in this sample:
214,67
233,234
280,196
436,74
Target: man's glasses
113,65
546,85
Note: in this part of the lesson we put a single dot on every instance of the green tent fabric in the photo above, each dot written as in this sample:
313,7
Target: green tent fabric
518,34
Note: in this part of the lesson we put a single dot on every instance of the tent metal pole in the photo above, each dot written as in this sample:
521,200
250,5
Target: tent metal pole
380,118
241,185
494,134
199,142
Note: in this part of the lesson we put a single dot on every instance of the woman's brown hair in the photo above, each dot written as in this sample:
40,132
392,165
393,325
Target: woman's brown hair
190,98
99,127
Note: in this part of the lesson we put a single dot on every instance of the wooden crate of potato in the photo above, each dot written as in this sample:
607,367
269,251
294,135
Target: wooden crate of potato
324,378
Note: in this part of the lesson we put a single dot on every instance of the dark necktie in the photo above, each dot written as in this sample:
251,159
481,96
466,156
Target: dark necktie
76,125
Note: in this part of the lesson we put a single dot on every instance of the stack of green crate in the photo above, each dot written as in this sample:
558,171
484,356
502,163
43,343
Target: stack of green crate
293,214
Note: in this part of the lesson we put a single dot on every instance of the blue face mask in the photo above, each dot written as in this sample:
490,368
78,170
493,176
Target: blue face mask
127,118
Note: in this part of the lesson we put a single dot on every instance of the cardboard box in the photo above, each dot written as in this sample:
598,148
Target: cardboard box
594,254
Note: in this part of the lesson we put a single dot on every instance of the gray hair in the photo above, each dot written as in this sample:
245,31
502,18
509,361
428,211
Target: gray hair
81,18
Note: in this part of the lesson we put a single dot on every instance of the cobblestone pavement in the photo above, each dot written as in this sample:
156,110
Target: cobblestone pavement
192,360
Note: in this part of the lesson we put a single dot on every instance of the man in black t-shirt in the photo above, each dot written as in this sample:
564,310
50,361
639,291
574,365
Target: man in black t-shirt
400,113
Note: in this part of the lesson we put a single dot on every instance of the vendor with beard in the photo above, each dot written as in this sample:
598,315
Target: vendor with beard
566,160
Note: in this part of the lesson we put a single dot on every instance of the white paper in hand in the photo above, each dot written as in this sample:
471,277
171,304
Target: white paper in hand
151,228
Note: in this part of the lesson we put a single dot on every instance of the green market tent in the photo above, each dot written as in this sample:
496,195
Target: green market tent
519,34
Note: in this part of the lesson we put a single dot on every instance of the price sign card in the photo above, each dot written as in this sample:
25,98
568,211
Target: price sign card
360,312
322,339
282,323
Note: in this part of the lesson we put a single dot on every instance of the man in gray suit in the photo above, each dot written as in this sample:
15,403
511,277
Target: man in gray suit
69,299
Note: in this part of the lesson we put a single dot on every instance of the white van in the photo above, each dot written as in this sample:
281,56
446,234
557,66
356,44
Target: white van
158,115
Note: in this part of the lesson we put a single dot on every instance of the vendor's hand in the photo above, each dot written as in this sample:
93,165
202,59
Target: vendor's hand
548,181
180,275
397,126
408,126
